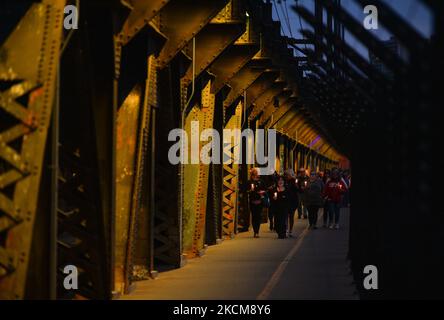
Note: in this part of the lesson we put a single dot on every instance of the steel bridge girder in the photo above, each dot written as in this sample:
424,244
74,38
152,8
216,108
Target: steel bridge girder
141,14
267,97
270,109
33,53
211,41
230,62
245,77
181,20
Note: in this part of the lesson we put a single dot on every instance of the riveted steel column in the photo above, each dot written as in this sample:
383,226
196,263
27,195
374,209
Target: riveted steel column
231,175
33,55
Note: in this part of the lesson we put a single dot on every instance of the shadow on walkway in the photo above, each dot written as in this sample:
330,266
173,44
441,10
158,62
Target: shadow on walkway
311,265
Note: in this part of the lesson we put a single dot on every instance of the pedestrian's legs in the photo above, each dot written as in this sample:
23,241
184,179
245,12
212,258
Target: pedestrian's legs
271,217
326,210
256,215
305,210
291,219
315,215
337,212
300,209
281,223
331,212
310,216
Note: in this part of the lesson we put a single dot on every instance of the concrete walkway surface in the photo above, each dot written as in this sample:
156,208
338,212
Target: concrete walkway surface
311,265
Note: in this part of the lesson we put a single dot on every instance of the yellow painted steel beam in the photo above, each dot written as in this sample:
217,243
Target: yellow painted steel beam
211,41
260,85
230,192
133,121
297,129
271,108
127,132
245,77
267,97
286,119
303,134
288,106
32,53
230,62
326,151
306,134
181,20
310,138
324,148
142,12
222,31
196,178
318,143
291,126
301,131
236,56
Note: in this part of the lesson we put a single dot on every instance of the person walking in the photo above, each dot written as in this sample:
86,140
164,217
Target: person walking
293,198
314,199
333,191
346,181
256,194
325,179
301,182
270,189
281,202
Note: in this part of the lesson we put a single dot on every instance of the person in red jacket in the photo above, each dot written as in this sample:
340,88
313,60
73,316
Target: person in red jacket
333,191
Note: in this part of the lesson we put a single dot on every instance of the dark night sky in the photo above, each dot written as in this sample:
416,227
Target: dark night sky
411,10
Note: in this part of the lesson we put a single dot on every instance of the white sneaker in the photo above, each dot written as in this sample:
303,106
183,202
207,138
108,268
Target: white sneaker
336,226
330,226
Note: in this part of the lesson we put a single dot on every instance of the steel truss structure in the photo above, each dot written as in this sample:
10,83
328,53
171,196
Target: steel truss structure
85,116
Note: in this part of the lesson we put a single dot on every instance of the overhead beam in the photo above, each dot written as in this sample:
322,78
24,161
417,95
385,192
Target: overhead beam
245,77
267,97
141,14
271,108
181,20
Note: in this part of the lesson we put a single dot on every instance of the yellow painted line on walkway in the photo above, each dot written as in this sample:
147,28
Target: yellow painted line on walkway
281,268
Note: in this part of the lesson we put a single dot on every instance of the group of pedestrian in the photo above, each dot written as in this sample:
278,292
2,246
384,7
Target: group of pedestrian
285,194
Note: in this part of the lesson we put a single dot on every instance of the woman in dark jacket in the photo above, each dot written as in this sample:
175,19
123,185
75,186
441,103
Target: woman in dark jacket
314,199
256,191
293,190
270,190
281,206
